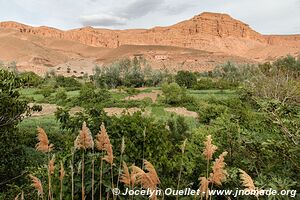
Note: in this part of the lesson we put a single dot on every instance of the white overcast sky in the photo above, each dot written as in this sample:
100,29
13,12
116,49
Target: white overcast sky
265,16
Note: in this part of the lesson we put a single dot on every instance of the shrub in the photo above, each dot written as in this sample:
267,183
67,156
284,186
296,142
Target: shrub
185,79
70,83
46,91
173,93
30,79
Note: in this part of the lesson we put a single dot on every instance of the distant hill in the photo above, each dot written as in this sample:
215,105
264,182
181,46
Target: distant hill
197,44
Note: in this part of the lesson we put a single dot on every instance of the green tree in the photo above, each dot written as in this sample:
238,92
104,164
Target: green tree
11,111
31,79
185,79
46,91
173,93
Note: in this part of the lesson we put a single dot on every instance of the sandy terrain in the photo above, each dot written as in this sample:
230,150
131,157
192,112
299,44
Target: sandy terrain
182,111
152,95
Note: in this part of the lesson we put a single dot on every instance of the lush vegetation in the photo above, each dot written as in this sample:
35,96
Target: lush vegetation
250,112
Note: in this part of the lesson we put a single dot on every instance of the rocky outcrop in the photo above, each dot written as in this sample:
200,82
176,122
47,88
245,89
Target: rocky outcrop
213,32
201,28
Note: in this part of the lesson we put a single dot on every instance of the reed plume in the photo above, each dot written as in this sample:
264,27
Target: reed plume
83,141
209,148
37,184
102,138
51,165
148,180
109,157
152,172
125,177
101,142
219,173
208,151
204,182
247,180
135,172
43,144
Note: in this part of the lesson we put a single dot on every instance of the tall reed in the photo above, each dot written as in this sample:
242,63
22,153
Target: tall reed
44,147
121,159
83,142
101,141
181,165
218,174
72,172
37,184
247,181
61,178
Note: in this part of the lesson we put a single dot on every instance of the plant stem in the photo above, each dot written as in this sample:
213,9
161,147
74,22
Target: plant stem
82,177
93,175
72,174
179,176
61,189
112,179
101,165
144,135
119,171
49,179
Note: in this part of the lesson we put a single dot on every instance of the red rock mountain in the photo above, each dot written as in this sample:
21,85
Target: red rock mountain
200,43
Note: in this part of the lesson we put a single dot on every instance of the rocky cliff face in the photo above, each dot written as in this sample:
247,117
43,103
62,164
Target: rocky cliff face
212,32
200,29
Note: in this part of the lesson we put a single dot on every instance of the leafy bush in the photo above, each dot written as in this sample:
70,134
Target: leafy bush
70,83
13,155
30,79
173,93
185,79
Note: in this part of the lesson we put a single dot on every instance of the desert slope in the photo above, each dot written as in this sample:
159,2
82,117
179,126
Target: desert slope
200,43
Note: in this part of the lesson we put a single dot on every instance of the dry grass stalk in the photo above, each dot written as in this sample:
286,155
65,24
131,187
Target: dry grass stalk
37,184
209,149
51,165
61,178
125,177
109,157
123,145
43,144
17,197
219,173
247,180
84,140
121,160
101,141
61,171
204,182
102,138
148,180
135,172
181,166
152,172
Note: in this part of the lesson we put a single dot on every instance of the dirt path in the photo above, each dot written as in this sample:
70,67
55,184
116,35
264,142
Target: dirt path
49,109
182,111
152,95
119,111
